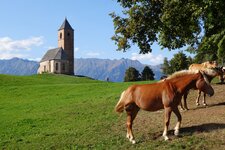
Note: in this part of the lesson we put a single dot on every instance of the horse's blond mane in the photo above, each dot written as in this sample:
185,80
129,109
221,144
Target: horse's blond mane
182,73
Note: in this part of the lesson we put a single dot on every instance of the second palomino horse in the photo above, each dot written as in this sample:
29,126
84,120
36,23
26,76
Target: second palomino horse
202,66
210,74
166,94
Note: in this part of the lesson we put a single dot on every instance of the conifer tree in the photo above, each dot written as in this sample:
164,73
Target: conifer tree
131,74
147,74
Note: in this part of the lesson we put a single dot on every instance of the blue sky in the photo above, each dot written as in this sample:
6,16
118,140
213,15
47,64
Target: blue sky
28,29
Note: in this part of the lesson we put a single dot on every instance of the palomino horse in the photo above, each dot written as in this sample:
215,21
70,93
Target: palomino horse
166,94
202,66
210,74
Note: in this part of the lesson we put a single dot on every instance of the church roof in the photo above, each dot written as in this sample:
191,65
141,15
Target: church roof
66,25
55,54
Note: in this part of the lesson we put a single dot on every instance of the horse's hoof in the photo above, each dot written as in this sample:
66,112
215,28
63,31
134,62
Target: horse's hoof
128,136
166,138
133,141
197,104
186,108
182,110
176,132
204,104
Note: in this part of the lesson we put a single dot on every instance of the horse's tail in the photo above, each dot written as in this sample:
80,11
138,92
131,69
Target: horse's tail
120,105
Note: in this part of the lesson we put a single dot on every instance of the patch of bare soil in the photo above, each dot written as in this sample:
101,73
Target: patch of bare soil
214,113
209,120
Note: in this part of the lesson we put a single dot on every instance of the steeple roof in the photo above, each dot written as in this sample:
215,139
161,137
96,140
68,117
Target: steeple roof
66,25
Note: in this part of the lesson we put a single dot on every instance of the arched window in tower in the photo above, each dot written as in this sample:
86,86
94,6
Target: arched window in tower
60,36
68,34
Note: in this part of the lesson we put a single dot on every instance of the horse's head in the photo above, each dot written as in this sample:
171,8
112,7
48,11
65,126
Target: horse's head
203,84
213,72
210,64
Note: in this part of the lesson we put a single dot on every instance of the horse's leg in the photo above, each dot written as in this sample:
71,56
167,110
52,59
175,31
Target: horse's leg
132,111
181,105
179,118
185,100
197,100
204,101
168,111
221,78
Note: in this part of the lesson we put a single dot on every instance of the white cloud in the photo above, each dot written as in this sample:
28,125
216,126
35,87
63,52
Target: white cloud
8,44
34,59
10,48
93,54
148,58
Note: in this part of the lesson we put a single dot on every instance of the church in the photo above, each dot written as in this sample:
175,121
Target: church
60,60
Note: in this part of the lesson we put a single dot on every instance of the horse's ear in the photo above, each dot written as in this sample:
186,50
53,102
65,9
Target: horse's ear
204,64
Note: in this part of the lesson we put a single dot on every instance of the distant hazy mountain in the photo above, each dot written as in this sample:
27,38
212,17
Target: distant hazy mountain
113,69
17,66
100,69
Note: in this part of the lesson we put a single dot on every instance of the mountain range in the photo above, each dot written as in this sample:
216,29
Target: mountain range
99,69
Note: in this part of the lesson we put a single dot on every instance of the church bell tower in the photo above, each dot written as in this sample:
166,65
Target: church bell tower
66,41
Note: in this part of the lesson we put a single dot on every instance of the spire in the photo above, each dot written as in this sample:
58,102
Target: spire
66,25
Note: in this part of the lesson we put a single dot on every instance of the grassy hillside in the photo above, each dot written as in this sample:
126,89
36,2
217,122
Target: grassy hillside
64,112
44,79
54,111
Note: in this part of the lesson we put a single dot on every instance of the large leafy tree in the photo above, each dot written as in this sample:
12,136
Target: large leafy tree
200,24
131,74
166,67
221,50
147,74
179,62
189,61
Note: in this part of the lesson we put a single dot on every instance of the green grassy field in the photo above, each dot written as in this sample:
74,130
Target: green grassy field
64,112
